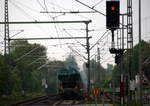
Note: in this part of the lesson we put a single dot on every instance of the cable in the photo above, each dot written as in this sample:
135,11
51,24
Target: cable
32,17
1,36
57,32
67,10
26,6
26,54
79,54
75,39
53,4
101,48
74,29
90,7
97,3
100,38
45,6
40,4
56,25
22,10
17,33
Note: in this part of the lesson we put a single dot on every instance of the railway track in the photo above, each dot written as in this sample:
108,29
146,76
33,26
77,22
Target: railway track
67,103
54,100
32,101
112,98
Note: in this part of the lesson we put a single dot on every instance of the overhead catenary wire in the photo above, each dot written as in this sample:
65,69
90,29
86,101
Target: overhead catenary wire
90,7
58,15
59,29
97,3
56,29
22,10
67,10
102,46
40,4
17,33
53,18
53,4
102,49
45,5
100,39
77,52
16,60
75,39
26,6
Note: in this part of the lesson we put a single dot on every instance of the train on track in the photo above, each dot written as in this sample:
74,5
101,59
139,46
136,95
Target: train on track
70,83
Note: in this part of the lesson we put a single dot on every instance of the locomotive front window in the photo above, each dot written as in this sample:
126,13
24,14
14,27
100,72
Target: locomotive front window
69,84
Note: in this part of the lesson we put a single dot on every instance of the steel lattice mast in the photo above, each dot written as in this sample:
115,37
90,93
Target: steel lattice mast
129,45
129,25
6,30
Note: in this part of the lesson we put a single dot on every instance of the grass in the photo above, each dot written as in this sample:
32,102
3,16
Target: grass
7,100
99,101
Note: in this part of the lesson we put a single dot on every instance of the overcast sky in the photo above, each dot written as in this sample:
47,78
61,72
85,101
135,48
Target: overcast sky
29,10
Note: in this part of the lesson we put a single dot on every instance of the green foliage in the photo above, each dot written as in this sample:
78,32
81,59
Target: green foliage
17,75
145,54
24,54
6,83
97,71
103,77
103,84
21,72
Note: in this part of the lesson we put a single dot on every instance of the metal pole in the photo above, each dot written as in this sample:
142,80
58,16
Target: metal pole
122,80
71,12
50,38
98,60
140,66
95,70
129,47
44,22
88,53
122,31
113,87
113,42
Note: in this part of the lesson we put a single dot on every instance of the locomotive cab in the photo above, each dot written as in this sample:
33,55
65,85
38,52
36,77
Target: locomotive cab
70,84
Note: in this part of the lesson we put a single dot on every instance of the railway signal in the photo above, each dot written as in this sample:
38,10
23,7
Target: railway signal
112,14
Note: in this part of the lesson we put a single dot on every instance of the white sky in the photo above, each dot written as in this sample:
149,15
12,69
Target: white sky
29,10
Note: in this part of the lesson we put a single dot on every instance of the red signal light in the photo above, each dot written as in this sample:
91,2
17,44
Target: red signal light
113,8
112,14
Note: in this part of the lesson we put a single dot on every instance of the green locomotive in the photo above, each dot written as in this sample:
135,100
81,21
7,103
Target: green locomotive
70,83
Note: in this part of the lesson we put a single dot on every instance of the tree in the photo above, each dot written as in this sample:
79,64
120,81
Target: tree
25,71
6,83
145,54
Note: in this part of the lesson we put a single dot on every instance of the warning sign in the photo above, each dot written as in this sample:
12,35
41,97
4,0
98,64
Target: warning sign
95,91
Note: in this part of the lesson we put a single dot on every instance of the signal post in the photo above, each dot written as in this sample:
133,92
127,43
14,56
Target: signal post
113,23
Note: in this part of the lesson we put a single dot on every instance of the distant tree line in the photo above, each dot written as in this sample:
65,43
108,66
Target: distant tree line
20,71
145,62
101,77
